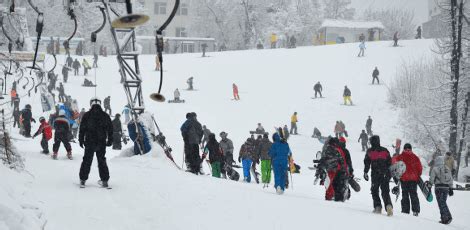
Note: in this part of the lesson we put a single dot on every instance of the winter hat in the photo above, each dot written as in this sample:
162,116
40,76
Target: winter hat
448,153
342,140
117,115
223,134
61,112
42,119
407,146
28,106
95,101
188,115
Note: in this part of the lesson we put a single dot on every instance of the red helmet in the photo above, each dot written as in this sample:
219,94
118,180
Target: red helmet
342,140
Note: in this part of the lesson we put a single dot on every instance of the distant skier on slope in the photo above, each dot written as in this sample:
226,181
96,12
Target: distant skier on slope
363,138
190,83
369,126
76,66
347,95
318,89
192,133
362,47
375,76
279,154
65,73
235,92
293,124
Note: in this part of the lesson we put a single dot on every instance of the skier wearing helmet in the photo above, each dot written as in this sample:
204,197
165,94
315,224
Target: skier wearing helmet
62,135
46,131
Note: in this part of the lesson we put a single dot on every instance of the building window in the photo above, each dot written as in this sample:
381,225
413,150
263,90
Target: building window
182,10
160,8
181,32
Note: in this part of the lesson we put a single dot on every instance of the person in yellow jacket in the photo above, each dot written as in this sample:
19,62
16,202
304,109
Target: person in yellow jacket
86,66
273,40
293,124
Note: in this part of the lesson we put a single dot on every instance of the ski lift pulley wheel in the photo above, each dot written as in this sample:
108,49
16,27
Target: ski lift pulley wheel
157,97
130,21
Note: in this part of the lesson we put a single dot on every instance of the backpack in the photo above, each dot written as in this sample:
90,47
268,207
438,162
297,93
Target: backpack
47,132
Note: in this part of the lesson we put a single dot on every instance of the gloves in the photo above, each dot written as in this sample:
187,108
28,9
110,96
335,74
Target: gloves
109,143
395,190
239,160
81,144
366,177
451,192
322,182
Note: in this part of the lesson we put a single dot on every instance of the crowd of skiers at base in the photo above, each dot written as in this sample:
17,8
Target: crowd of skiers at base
282,41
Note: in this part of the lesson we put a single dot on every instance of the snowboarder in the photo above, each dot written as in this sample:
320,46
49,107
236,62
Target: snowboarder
205,138
76,66
293,124
246,155
379,161
395,39
27,117
177,95
46,131
107,105
339,130
263,152
347,95
65,73
418,33
216,157
61,90
126,112
203,47
95,60
316,133
363,138
69,61
86,66
409,180
279,153
88,83
192,133
273,40
227,148
16,117
117,132
441,177
190,83
235,92
362,47
375,75
157,63
259,129
61,135
96,132
318,89
369,126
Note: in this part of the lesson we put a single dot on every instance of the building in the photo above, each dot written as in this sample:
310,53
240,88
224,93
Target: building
433,27
334,31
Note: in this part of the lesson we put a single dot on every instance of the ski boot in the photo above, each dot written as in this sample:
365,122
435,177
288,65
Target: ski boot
82,184
279,190
103,184
389,209
415,213
377,210
54,156
69,155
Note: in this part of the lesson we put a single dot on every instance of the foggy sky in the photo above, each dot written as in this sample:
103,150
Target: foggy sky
420,7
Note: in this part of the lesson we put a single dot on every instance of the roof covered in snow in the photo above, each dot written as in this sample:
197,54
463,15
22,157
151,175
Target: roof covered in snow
329,23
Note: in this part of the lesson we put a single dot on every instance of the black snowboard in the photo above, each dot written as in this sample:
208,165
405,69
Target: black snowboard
232,173
425,189
461,188
354,185
254,132
176,101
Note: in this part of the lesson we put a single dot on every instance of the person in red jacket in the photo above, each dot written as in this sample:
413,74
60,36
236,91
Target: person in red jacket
46,130
235,92
409,180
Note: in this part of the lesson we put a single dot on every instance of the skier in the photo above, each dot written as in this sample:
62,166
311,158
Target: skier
418,33
96,132
204,47
69,61
363,138
190,83
318,89
293,124
76,66
216,157
16,117
205,138
347,95
375,75
227,148
441,177
157,63
65,73
117,132
177,95
247,150
95,60
362,47
259,129
263,152
409,180
107,105
279,153
126,112
339,131
369,126
395,39
62,135
316,133
378,160
27,117
46,131
86,66
192,133
61,90
235,92
273,40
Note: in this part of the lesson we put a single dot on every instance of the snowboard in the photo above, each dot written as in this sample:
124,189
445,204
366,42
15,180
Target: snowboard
254,132
176,101
354,185
88,85
317,97
425,190
461,188
232,174
255,175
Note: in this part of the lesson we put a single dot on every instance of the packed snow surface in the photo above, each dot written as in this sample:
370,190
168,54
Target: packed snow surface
150,193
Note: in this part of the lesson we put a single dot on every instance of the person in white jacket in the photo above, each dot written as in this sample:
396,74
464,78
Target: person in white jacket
441,177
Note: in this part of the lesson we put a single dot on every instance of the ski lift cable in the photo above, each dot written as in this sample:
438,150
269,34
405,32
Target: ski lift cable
39,28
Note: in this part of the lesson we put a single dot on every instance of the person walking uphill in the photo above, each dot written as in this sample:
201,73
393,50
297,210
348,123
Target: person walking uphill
293,124
409,180
378,160
363,138
46,131
192,133
62,135
279,154
441,177
216,157
375,76
117,132
246,155
347,96
263,153
96,132
76,66
227,148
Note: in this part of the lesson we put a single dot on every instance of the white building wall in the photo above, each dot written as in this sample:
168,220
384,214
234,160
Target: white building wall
157,18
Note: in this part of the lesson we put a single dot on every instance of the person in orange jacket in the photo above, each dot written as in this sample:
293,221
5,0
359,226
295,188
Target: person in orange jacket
235,92
13,95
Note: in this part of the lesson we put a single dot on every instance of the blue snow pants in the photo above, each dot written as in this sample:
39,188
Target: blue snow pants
246,163
280,169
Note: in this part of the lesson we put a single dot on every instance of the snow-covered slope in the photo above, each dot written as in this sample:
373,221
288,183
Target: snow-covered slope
149,193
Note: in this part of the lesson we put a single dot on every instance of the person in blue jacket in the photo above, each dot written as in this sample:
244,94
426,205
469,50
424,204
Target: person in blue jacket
279,153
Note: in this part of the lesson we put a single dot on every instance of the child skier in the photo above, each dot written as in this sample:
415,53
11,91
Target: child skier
62,134
216,157
441,177
46,131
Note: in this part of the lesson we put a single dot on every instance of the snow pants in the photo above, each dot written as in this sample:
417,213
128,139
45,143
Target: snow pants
280,170
317,92
375,78
16,122
293,128
215,169
117,140
236,96
193,160
364,145
27,129
266,171
246,163
346,99
409,192
361,53
61,139
340,186
330,189
44,145
380,181
90,151
441,197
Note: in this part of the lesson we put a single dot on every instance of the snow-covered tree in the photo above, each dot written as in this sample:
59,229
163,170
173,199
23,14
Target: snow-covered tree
338,9
394,20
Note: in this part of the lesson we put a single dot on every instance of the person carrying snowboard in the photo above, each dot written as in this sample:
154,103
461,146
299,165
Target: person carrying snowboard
107,105
375,76
409,180
318,89
62,135
442,178
246,155
76,66
279,153
27,117
96,133
347,96
263,152
46,131
341,181
329,166
117,132
363,138
235,92
293,124
216,157
192,133
369,126
227,148
378,160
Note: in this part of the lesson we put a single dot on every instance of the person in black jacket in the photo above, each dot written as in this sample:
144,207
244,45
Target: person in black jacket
107,105
96,132
61,90
347,95
363,138
378,159
27,116
216,157
192,133
62,134
318,89
117,132
65,73
16,117
375,75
